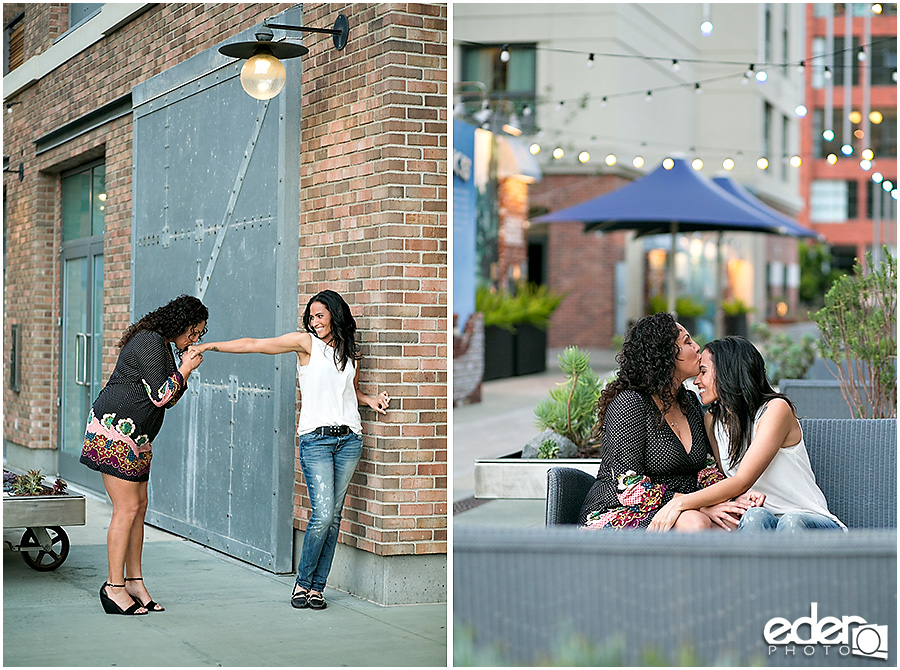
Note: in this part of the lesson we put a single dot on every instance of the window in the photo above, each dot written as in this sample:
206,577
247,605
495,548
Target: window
83,202
838,60
785,145
511,86
79,12
884,135
883,58
832,201
14,44
886,209
767,132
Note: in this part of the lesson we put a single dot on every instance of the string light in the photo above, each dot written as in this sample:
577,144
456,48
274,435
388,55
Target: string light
865,165
855,116
697,164
861,54
535,149
728,164
801,111
697,88
796,161
762,163
675,66
877,177
876,117
504,54
668,163
584,157
558,153
877,8
868,154
603,102
590,61
611,160
706,28
638,162
831,158
846,150
828,135
827,72
761,76
649,97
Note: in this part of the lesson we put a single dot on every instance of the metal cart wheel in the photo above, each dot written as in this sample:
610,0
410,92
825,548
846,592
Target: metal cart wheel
44,549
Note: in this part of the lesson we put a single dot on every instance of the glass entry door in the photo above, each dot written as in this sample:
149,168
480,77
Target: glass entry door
82,339
81,315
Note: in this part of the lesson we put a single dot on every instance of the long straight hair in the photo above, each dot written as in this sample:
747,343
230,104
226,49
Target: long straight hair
343,326
742,388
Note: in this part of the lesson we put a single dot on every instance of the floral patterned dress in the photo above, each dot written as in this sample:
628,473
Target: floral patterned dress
646,464
129,412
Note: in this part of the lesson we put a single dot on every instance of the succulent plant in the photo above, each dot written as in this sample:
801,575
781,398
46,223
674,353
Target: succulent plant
59,487
30,484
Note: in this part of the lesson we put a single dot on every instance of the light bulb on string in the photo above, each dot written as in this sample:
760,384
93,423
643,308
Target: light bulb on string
649,97
668,163
865,165
801,110
861,54
877,177
697,88
535,149
801,67
697,164
796,161
590,61
868,154
603,101
706,28
728,164
675,66
877,8
827,72
831,158
560,105
876,117
762,77
558,153
638,162
887,185
762,163
584,157
504,54
847,150
828,135
610,160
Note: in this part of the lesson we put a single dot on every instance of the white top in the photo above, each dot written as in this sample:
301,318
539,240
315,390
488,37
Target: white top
789,482
327,394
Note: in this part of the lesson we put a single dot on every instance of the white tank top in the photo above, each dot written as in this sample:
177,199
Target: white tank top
327,394
789,482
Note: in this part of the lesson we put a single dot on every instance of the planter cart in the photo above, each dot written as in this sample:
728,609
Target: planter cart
44,545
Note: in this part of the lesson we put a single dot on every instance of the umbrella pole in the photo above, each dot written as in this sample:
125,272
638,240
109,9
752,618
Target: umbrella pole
720,314
673,230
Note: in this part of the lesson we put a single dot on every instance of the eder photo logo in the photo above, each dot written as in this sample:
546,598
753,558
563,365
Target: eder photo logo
844,636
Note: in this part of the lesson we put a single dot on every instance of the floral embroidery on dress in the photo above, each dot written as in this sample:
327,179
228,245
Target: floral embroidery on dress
639,497
710,474
125,426
167,395
107,420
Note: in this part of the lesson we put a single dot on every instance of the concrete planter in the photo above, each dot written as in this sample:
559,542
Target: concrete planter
514,477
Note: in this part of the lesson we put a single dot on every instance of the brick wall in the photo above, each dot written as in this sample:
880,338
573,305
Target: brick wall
373,227
578,263
512,249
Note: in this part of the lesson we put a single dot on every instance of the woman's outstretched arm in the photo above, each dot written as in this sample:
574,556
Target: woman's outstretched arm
290,342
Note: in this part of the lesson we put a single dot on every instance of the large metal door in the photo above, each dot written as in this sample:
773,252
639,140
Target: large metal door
216,215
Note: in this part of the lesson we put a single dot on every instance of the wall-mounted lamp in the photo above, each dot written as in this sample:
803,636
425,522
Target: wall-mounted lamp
8,168
263,75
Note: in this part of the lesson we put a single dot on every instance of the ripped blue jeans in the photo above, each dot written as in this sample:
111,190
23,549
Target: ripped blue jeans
328,464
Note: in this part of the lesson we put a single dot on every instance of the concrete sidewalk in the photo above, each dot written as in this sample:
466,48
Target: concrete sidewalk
219,612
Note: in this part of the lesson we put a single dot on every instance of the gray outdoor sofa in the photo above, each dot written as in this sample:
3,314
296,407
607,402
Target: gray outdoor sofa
524,591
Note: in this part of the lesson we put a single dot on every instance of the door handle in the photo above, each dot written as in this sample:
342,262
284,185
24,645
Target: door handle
83,337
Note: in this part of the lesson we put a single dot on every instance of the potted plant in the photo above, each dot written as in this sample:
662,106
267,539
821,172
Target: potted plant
686,307
537,306
736,311
515,329
858,327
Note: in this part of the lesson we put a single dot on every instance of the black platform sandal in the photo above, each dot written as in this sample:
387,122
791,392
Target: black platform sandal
111,607
151,606
299,600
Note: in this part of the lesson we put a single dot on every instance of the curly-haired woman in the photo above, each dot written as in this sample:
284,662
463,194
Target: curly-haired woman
653,443
759,442
124,420
330,430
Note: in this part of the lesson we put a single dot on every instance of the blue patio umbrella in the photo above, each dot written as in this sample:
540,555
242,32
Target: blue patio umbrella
673,200
790,227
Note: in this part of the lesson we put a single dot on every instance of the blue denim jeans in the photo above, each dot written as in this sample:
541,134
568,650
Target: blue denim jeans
328,464
760,519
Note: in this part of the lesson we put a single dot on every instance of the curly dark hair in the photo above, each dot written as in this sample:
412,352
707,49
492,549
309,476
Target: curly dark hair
170,320
343,326
742,388
646,364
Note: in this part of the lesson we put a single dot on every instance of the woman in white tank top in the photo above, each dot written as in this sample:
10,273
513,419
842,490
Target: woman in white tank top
758,443
329,429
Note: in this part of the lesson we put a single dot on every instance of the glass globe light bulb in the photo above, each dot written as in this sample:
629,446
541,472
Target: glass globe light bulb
263,76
